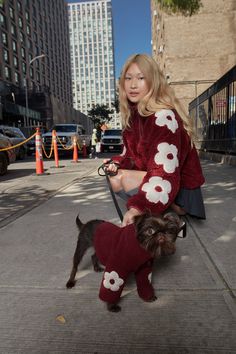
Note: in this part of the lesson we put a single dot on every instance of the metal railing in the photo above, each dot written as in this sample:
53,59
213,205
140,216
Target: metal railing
214,116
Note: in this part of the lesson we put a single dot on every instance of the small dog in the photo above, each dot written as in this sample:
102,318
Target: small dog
123,250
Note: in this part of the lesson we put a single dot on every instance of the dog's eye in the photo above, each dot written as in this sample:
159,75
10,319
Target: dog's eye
150,231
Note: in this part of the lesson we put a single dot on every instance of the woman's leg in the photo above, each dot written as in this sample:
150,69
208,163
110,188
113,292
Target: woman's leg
127,180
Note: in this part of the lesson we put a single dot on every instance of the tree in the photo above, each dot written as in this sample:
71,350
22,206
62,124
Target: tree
116,106
184,7
99,115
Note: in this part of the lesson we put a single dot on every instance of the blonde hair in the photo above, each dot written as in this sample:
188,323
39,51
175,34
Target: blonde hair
160,95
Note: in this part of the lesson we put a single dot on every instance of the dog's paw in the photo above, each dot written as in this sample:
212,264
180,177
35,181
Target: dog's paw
152,299
113,307
70,284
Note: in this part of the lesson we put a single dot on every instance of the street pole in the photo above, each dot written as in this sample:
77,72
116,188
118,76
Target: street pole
26,94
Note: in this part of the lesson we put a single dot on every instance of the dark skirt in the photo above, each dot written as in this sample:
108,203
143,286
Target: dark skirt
190,200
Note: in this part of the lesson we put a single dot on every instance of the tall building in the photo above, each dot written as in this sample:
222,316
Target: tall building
35,62
92,54
193,52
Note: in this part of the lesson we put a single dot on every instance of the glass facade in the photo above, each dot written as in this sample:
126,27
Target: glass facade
92,55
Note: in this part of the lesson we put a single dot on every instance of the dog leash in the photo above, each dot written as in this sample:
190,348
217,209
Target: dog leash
106,173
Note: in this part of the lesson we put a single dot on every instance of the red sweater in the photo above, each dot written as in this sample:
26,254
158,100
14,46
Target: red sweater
119,251
160,145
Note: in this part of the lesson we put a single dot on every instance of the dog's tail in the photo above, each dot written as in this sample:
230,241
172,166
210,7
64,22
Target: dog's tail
79,222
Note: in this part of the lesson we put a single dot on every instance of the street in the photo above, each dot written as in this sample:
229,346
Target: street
195,311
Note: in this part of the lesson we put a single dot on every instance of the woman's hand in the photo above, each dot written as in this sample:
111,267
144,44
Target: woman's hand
129,216
110,165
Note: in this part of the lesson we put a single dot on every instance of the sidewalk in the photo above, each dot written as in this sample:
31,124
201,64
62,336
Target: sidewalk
196,288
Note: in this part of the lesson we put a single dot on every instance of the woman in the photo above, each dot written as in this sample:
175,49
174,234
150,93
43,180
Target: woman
159,167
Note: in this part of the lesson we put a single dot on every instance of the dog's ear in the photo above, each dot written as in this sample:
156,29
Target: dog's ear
172,217
138,219
173,223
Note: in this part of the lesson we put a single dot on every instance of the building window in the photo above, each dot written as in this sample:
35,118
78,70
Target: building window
20,21
14,46
24,67
6,56
23,52
11,12
13,30
3,21
28,29
22,37
19,6
17,78
4,39
15,62
7,73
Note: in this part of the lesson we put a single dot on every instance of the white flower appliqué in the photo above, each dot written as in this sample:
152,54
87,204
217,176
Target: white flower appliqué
166,117
112,281
167,156
157,190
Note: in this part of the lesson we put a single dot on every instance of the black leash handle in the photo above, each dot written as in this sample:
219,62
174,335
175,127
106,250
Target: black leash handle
106,173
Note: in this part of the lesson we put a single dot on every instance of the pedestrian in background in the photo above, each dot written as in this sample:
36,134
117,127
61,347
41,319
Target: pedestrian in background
94,141
159,167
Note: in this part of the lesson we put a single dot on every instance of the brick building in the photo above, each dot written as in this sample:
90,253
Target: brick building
194,52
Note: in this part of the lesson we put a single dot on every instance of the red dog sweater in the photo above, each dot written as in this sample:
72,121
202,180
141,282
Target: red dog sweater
119,251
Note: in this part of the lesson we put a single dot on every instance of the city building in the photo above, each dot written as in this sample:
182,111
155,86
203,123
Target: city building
194,52
92,54
35,73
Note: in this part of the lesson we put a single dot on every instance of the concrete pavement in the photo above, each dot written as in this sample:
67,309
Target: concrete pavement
196,288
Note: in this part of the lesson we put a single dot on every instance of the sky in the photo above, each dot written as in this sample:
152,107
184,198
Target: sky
132,29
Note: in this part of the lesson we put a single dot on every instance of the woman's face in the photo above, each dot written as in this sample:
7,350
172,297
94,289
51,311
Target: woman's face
135,84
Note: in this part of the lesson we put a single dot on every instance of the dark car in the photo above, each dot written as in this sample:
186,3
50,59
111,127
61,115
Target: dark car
112,140
6,156
16,137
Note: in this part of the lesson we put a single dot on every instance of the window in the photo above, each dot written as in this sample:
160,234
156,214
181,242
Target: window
20,21
6,56
14,46
23,52
4,39
13,30
11,11
17,78
3,21
19,6
15,62
7,73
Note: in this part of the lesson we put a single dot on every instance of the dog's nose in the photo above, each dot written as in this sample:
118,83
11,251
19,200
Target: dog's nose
161,240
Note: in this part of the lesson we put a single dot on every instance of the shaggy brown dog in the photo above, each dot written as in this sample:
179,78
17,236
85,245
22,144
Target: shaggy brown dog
150,237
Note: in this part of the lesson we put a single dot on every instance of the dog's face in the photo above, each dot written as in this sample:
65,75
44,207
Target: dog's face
157,234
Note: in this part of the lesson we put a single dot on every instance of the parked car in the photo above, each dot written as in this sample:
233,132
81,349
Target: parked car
16,136
112,140
65,134
30,146
6,156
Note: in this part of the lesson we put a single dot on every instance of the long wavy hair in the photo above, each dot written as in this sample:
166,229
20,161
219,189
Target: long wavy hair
160,95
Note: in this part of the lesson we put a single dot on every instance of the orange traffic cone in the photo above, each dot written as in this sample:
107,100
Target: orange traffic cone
75,152
84,149
54,140
38,153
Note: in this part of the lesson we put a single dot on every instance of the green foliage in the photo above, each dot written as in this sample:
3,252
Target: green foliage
99,115
116,106
1,2
183,7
